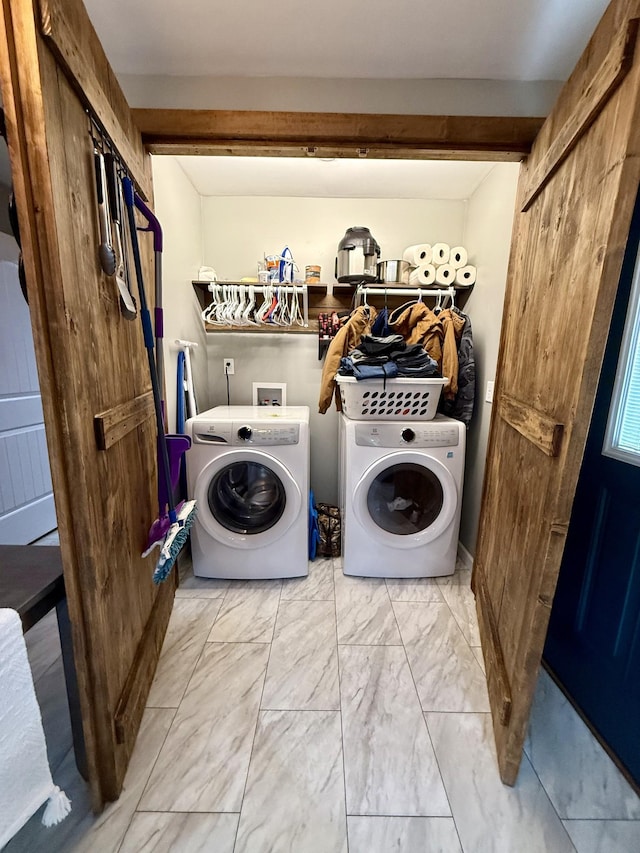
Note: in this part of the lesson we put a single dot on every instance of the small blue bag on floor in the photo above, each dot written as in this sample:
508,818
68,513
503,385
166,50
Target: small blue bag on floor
314,530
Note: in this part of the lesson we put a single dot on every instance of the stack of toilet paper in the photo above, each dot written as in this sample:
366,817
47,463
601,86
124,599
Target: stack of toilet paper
439,265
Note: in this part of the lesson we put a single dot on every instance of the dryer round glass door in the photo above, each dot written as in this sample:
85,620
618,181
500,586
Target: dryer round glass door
406,499
246,499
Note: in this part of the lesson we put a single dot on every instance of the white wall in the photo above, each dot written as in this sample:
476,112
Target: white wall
239,231
286,358
236,232
487,235
177,206
401,97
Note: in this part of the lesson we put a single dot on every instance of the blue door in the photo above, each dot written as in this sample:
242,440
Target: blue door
593,643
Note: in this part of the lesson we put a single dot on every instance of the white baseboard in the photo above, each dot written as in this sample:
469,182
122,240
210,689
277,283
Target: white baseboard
465,557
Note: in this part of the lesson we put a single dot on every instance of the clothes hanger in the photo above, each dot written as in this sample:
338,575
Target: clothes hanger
249,310
266,301
238,314
295,315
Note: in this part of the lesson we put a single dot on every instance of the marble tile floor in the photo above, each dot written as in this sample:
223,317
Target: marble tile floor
332,714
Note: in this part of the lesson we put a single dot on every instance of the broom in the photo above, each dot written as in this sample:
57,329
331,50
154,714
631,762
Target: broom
180,521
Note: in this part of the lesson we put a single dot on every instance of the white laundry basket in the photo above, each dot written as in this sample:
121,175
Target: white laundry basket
390,399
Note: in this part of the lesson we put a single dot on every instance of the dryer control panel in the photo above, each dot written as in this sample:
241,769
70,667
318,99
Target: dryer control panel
415,434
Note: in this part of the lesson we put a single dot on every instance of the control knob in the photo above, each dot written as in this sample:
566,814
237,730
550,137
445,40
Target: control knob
408,435
245,433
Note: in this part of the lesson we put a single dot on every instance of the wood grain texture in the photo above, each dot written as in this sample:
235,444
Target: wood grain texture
131,704
563,275
89,360
335,134
612,71
538,428
497,677
115,423
72,38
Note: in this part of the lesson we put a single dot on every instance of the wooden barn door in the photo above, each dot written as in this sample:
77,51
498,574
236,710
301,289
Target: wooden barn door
91,361
575,205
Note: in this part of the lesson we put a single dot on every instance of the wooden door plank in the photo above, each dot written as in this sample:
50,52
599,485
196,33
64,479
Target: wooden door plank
535,426
498,679
72,38
115,423
562,280
24,108
89,360
606,79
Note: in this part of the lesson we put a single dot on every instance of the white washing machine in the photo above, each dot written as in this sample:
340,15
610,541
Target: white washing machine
400,496
248,469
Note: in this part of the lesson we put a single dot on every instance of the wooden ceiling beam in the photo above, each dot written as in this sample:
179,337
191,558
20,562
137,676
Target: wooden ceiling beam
260,133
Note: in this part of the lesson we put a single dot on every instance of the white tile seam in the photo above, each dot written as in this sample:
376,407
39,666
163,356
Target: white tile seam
526,758
146,782
344,769
255,729
424,719
198,659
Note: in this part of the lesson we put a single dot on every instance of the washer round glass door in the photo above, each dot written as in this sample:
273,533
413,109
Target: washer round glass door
405,499
246,498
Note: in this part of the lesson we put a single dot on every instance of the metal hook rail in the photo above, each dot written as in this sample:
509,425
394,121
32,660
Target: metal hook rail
418,293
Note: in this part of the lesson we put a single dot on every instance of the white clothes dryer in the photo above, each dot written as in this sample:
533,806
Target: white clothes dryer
248,470
400,496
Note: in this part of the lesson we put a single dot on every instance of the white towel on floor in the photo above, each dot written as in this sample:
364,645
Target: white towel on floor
25,777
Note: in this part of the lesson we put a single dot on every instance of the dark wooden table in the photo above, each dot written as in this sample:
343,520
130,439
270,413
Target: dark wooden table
31,582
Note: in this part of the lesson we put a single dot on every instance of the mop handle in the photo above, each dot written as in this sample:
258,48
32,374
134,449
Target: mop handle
147,329
156,229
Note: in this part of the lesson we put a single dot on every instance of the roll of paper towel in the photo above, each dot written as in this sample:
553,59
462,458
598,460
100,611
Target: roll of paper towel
458,257
440,253
446,275
418,255
466,275
423,276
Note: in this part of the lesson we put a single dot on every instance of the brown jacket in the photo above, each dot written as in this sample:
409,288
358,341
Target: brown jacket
453,324
438,333
417,324
348,338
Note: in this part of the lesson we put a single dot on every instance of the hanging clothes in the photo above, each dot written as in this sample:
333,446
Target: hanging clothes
461,407
453,325
346,339
380,327
419,325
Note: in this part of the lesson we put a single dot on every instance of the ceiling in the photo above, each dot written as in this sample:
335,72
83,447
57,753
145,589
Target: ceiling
509,40
381,39
340,178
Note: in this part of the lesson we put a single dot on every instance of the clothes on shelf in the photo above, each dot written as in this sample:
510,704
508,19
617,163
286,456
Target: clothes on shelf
387,357
412,340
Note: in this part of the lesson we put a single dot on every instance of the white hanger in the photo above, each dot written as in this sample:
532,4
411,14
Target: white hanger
267,292
251,303
296,314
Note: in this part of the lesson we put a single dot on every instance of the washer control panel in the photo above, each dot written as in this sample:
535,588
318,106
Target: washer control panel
262,436
419,434
247,434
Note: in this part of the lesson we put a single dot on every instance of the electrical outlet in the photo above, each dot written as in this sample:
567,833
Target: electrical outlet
229,366
489,395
